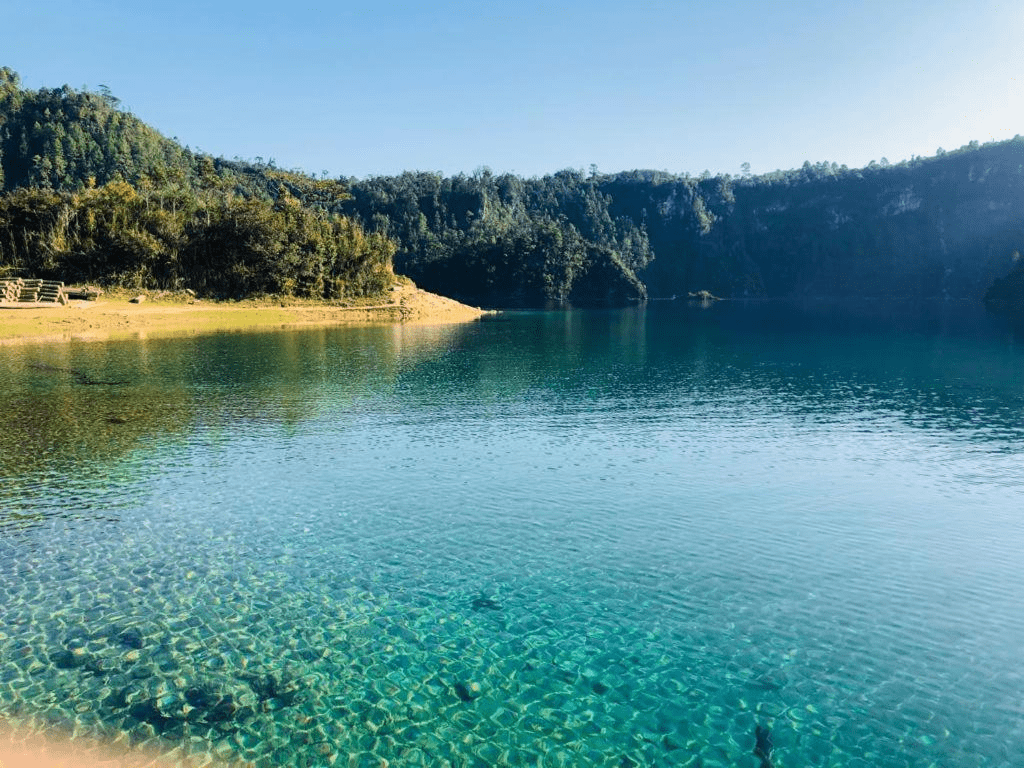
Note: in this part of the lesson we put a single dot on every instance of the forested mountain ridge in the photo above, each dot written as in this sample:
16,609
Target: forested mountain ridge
95,195
504,240
57,138
941,226
928,227
931,227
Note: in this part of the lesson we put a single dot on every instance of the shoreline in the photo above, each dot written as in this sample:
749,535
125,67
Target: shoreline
114,317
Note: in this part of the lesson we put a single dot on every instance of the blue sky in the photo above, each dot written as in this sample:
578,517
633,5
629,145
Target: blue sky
361,88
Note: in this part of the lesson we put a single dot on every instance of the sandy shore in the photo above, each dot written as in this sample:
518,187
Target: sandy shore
62,752
114,316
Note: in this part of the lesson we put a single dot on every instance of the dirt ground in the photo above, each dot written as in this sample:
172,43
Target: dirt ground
115,316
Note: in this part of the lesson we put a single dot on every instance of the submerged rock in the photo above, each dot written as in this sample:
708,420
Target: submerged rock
485,603
467,691
98,665
118,698
80,376
70,659
131,638
201,698
271,690
223,711
148,712
214,708
763,746
769,681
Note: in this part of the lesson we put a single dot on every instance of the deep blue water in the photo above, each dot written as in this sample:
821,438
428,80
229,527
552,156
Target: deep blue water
552,538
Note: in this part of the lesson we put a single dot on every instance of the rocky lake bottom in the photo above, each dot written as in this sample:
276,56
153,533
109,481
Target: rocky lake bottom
663,536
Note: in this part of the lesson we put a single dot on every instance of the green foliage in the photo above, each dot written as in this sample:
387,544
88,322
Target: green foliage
221,246
97,196
503,240
93,193
248,246
57,138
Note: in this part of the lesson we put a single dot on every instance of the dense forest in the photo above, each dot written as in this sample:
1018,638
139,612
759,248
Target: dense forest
504,240
944,226
90,193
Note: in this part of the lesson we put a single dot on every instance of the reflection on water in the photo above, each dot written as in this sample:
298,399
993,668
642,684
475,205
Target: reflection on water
76,413
612,538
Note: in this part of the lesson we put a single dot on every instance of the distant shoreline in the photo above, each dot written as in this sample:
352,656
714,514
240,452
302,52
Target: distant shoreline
115,317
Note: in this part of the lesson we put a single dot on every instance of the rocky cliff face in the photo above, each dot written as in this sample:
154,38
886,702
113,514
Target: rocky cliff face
945,226
1006,294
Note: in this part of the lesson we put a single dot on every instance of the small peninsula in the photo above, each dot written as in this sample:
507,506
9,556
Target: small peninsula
116,316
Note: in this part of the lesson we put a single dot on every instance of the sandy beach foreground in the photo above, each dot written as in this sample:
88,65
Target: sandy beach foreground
116,317
64,752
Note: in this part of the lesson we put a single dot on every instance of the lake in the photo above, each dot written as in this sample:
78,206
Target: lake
612,538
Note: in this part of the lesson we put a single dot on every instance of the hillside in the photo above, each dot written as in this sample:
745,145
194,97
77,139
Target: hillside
932,227
94,195
944,226
938,227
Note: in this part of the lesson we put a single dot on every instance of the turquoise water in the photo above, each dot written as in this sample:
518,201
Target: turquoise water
612,538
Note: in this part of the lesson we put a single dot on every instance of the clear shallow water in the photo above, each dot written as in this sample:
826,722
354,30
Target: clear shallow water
585,538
